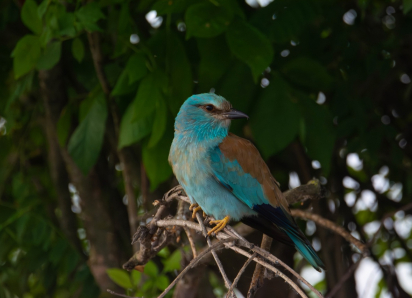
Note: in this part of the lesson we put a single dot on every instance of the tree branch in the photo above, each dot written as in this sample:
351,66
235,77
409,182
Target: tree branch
258,274
124,157
332,226
240,273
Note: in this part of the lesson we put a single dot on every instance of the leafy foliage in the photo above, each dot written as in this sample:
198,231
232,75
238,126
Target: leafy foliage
324,82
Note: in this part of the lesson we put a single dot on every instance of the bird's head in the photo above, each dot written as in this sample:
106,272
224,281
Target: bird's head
206,114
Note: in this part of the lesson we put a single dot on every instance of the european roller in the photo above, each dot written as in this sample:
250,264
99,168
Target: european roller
225,176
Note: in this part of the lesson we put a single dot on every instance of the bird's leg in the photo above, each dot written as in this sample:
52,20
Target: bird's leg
220,224
195,207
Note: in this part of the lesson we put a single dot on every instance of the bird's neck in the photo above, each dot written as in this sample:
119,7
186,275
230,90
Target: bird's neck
208,135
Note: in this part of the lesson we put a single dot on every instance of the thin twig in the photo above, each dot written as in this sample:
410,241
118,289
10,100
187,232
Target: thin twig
234,284
332,226
193,263
258,274
124,157
344,278
276,271
221,236
191,241
217,260
118,294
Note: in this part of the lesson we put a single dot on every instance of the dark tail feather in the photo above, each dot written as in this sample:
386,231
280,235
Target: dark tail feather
306,250
267,227
285,223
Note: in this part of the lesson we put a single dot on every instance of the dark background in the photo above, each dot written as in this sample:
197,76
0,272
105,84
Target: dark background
88,94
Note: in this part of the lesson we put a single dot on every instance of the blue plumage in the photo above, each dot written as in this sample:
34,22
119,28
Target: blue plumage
226,176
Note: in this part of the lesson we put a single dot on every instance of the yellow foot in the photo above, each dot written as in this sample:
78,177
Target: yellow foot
220,224
195,207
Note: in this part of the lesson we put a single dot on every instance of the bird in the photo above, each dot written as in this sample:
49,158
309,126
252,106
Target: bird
225,176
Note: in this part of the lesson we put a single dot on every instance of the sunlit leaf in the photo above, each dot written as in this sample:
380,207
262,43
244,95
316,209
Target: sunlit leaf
120,277
151,269
173,262
162,282
136,277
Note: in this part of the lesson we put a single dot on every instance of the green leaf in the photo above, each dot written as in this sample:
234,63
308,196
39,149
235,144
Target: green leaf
132,131
151,269
86,142
150,92
57,251
50,56
25,54
407,6
30,16
239,89
283,20
120,277
66,24
159,125
122,86
215,58
162,282
275,120
88,15
41,10
134,70
173,262
308,73
179,72
207,20
136,67
136,277
78,49
250,46
163,7
156,163
63,125
318,134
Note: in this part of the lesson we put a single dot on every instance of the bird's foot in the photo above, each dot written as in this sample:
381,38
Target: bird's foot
220,225
195,207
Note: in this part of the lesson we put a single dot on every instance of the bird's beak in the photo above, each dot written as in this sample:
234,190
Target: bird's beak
235,114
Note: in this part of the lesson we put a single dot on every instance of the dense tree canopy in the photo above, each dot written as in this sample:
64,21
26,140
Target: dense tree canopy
89,91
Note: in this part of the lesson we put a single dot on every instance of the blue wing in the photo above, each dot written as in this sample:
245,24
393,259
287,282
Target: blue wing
237,166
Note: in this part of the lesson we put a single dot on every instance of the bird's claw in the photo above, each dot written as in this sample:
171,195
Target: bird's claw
195,207
220,225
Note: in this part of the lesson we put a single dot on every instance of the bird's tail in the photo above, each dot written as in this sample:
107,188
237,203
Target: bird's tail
281,222
304,247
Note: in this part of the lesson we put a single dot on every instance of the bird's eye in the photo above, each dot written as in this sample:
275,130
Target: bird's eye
209,108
